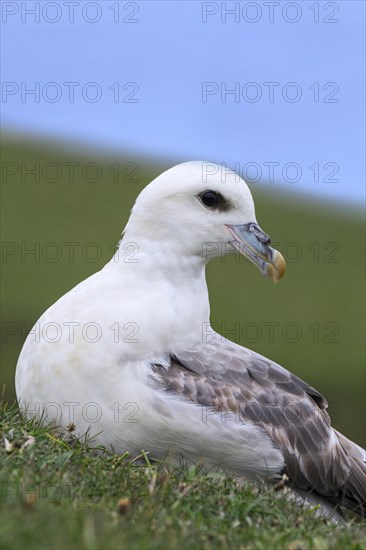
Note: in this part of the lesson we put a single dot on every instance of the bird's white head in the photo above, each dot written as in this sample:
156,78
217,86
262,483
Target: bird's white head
201,209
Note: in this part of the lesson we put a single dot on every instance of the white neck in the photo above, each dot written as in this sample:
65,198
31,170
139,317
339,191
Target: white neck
167,285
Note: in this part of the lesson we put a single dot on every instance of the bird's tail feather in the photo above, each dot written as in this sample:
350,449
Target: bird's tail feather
352,448
354,490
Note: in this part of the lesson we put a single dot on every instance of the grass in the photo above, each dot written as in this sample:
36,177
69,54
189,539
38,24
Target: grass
57,493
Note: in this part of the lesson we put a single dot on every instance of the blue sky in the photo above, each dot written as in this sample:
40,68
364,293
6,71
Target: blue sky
296,69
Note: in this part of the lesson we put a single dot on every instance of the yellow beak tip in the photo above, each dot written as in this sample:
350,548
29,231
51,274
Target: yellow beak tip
278,266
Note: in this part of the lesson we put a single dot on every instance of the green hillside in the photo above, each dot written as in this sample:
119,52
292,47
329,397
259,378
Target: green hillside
71,210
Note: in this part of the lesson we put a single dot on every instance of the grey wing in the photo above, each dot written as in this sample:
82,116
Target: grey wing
224,376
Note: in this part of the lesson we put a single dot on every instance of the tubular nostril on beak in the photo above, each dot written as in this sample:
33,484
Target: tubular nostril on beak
261,235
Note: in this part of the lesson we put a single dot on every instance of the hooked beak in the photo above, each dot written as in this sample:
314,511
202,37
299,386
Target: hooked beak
253,243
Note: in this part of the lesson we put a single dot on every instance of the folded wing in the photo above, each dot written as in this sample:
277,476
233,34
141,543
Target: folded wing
224,376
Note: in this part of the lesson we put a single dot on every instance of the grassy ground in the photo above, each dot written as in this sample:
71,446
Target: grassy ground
56,493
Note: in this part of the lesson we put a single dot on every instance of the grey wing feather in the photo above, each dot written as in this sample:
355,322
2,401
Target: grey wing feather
227,377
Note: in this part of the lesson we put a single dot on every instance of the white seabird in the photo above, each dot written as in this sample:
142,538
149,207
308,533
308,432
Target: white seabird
129,358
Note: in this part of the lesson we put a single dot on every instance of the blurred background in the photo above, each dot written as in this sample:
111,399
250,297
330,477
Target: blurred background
99,97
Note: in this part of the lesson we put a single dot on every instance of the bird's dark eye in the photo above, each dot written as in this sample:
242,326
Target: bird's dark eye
211,199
